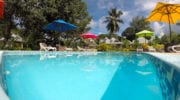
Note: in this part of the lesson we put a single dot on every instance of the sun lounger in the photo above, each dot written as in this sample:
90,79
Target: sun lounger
89,50
151,49
139,49
175,48
68,49
80,49
44,47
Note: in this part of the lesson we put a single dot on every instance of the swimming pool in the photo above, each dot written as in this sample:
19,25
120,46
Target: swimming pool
82,76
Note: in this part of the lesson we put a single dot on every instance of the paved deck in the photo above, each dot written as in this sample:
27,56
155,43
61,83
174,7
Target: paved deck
3,96
172,58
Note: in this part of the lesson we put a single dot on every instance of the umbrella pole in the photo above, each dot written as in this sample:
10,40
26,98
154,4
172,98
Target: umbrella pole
145,38
170,32
169,27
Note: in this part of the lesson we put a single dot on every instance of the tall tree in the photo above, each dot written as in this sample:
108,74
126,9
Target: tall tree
139,24
7,23
113,20
129,33
136,25
32,15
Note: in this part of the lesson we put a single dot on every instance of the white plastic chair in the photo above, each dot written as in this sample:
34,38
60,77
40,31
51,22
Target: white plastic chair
174,48
43,46
151,49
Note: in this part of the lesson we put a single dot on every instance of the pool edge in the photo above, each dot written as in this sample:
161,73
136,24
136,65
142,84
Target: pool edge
3,95
162,56
168,67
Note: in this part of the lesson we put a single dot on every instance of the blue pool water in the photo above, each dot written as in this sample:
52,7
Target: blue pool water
81,76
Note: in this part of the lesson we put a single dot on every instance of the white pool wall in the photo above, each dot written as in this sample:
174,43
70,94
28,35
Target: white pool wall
3,95
168,70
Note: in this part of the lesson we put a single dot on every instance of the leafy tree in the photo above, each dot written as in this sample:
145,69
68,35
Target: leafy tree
32,15
7,23
136,25
129,33
175,38
156,40
139,24
113,20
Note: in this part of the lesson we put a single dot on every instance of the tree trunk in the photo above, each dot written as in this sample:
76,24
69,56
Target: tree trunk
7,34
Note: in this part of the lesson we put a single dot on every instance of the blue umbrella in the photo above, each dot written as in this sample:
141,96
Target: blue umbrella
60,26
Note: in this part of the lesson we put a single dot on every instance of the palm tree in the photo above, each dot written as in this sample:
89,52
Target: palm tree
113,20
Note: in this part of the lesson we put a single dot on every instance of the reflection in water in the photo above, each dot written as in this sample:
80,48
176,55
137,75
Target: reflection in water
143,62
46,55
7,72
143,73
89,68
154,89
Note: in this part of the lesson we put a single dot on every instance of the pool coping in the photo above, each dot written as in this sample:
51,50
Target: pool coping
3,95
170,58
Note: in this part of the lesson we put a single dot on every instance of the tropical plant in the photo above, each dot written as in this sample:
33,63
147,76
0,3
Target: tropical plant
159,47
126,43
144,46
103,47
113,20
136,43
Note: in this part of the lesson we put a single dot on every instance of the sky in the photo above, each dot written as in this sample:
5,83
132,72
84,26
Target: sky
98,9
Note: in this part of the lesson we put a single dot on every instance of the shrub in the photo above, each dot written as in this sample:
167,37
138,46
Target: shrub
132,49
126,43
144,46
124,49
29,49
159,47
104,47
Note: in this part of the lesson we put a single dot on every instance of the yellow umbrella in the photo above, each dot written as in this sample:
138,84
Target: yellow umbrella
165,12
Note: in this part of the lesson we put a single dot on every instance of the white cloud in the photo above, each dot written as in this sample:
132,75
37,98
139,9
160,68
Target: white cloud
105,4
92,23
127,16
148,5
174,1
164,28
121,3
158,28
101,4
98,27
144,5
101,25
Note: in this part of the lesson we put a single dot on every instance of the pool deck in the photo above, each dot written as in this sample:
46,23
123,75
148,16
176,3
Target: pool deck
172,58
3,96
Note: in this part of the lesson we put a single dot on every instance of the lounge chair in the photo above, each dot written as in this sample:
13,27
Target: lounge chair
80,49
44,47
151,49
89,50
175,48
68,49
139,49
